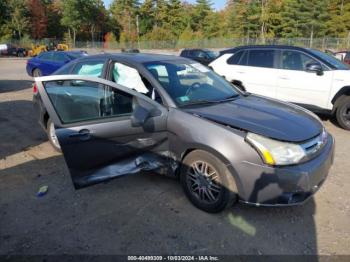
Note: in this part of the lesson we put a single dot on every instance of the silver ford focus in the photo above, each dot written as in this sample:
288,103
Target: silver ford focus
113,115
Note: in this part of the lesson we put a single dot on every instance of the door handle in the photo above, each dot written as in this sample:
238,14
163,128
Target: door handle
240,72
83,134
283,78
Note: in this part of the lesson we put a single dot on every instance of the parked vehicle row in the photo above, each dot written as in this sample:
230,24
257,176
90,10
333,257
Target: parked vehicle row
12,50
120,114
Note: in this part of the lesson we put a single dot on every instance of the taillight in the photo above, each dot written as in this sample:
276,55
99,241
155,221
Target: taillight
35,89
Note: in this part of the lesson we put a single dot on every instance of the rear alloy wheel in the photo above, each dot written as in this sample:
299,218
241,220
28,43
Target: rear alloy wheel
207,182
37,72
343,112
51,134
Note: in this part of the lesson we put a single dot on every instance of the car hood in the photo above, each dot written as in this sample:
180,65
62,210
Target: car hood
263,116
342,76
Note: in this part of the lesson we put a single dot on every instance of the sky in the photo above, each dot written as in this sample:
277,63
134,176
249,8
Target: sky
217,4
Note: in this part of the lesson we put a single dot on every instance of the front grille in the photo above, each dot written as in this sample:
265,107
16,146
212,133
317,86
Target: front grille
313,146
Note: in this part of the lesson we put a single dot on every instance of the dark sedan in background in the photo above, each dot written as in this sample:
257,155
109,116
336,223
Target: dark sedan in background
12,50
115,115
203,56
48,62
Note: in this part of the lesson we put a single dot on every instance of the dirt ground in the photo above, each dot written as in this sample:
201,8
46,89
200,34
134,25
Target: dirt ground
143,214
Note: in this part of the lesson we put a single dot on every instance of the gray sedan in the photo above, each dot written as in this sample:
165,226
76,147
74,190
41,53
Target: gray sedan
173,116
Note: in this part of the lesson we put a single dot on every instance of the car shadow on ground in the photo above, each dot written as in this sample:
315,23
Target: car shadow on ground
138,214
14,85
19,127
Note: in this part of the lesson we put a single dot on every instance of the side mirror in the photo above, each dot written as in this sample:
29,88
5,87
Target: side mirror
314,68
140,113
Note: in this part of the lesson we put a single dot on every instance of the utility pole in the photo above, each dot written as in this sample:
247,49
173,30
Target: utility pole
138,31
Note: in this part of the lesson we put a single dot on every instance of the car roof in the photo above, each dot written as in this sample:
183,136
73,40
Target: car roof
235,49
133,59
195,49
137,58
64,52
309,51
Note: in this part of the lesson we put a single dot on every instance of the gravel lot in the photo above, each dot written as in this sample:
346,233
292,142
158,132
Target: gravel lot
143,214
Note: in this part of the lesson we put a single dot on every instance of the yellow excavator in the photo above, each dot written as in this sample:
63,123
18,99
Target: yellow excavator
50,44
37,49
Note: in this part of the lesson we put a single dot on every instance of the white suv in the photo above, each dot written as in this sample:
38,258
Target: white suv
302,76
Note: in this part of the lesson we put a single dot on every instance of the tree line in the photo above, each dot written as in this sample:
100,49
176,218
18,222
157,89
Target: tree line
159,20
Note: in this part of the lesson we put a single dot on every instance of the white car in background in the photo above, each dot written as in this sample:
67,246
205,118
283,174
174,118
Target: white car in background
303,76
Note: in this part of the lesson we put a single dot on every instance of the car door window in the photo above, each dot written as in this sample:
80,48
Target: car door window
89,68
59,57
46,56
201,54
261,58
129,77
235,58
244,58
293,60
194,53
160,73
79,101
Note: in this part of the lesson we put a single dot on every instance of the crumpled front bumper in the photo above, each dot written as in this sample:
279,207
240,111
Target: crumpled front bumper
286,186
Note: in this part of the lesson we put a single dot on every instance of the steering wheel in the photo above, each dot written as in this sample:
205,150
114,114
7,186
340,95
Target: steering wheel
193,86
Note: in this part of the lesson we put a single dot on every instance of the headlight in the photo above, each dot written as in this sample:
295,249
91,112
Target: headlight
274,152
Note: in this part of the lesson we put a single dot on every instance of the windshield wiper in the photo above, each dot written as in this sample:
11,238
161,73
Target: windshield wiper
227,99
201,102
197,102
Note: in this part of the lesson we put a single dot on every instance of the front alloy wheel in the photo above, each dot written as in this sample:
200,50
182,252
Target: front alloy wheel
207,182
203,182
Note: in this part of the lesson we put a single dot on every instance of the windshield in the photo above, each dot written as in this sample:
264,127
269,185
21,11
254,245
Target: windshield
337,64
191,83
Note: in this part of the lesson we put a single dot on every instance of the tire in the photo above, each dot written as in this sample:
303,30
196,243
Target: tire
37,72
214,197
20,54
343,112
50,130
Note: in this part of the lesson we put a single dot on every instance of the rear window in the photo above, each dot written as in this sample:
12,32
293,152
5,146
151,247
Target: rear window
196,53
184,53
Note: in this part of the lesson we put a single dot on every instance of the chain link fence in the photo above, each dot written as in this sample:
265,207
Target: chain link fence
335,44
